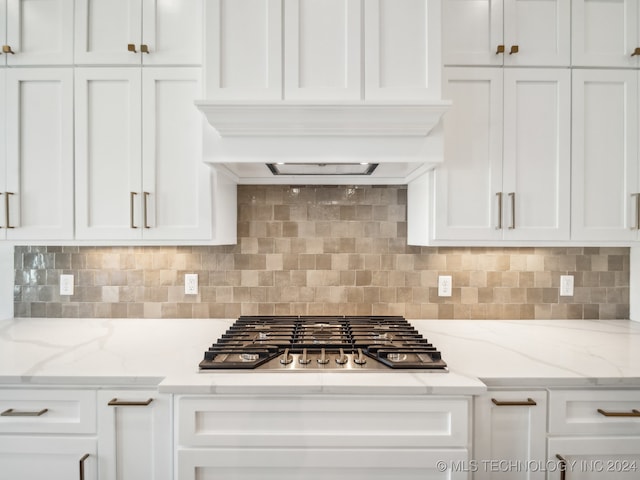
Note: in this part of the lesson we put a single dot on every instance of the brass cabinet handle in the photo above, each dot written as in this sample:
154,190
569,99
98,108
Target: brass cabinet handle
6,209
637,225
563,467
499,226
114,402
514,49
144,48
512,195
132,200
632,413
500,49
131,48
529,402
7,49
15,413
636,52
144,211
84,457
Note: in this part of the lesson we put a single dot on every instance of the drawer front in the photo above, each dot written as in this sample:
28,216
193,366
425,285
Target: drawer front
588,412
321,464
47,411
375,421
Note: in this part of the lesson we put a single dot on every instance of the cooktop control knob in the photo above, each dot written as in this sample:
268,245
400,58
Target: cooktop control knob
342,359
286,358
323,360
360,359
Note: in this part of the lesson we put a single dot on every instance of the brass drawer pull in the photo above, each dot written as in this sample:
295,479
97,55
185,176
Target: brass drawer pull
132,199
6,209
632,413
84,457
507,403
636,51
114,402
144,212
15,413
499,226
512,195
562,467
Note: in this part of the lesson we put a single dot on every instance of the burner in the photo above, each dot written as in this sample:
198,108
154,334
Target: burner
376,343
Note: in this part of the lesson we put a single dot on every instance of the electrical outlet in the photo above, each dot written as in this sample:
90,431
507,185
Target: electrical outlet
566,285
444,286
191,283
66,284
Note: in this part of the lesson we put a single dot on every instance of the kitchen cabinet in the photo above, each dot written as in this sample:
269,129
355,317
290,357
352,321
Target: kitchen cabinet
506,175
48,434
310,50
134,434
134,32
605,33
36,167
139,168
605,127
510,425
594,433
375,436
36,33
506,32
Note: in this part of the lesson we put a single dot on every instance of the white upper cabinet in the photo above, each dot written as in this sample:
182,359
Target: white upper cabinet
36,32
506,32
322,49
36,178
401,59
243,49
506,175
134,32
605,155
606,33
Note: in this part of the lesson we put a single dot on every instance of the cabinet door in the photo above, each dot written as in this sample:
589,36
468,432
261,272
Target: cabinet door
322,49
472,32
541,31
605,33
172,32
108,151
510,425
605,155
40,33
39,131
466,202
134,437
3,151
402,51
244,49
594,458
105,28
536,165
53,458
176,181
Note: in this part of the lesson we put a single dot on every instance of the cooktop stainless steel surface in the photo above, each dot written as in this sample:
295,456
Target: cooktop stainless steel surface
315,343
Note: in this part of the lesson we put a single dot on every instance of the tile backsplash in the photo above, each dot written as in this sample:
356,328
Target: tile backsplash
306,250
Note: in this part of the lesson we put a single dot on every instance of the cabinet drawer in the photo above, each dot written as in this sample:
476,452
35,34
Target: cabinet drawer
47,411
331,421
594,412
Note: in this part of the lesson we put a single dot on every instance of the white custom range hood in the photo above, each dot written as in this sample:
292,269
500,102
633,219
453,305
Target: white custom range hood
285,142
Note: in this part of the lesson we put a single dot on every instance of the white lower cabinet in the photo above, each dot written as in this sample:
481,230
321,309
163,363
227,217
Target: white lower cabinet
317,437
594,434
510,429
134,435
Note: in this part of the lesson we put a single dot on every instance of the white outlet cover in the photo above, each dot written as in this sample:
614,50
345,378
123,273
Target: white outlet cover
444,286
566,285
191,283
66,284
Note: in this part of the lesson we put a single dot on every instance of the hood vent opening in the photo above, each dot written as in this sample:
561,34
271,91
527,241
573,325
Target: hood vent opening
298,168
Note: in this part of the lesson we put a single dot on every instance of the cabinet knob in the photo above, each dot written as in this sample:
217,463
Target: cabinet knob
514,49
500,49
144,48
636,52
7,49
131,48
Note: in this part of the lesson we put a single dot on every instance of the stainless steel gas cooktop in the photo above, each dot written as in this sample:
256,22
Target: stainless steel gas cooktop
358,343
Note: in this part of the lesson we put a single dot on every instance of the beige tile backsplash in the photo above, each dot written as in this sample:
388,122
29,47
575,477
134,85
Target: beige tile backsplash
322,250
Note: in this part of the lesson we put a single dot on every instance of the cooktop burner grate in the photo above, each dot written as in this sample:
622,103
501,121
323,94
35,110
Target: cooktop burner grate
313,343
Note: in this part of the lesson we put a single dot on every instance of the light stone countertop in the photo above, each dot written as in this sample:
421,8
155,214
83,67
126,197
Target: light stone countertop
166,352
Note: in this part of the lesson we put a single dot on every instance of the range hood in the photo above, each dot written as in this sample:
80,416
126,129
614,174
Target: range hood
289,142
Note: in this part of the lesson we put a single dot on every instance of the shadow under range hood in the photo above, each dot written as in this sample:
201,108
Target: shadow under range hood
324,143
